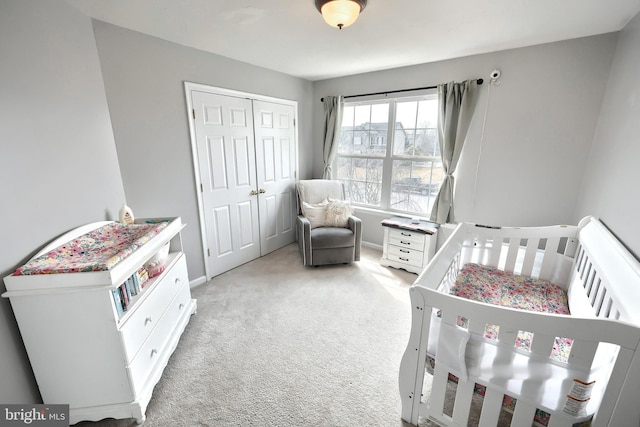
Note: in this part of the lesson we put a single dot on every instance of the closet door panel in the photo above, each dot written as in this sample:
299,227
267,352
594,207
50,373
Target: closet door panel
275,136
226,163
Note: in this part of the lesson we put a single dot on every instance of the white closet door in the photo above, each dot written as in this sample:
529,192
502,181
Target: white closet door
275,165
226,160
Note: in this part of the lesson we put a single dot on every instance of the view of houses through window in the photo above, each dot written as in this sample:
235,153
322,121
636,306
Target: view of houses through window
389,156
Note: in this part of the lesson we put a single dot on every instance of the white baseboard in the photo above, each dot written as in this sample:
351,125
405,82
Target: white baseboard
197,282
372,245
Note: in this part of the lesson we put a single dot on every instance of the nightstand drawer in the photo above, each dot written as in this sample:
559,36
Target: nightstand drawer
408,256
407,239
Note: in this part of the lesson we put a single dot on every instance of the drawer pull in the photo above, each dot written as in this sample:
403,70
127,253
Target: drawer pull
406,234
148,320
405,251
177,281
153,352
181,306
404,259
405,243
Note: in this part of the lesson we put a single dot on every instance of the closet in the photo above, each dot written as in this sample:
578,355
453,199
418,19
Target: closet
245,161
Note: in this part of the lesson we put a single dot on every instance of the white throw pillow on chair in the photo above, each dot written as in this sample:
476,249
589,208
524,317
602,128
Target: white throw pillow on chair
338,212
316,213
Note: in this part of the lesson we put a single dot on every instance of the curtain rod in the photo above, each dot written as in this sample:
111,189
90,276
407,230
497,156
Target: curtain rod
479,81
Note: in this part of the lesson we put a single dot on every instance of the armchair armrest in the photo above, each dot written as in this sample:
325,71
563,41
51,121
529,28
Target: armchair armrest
304,238
355,224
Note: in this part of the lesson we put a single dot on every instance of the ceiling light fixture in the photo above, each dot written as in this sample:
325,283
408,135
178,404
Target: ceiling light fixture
340,13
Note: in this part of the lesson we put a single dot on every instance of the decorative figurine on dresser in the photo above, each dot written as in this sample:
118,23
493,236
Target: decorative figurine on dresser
408,243
100,310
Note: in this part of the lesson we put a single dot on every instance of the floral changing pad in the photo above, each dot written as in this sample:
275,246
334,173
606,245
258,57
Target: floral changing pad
98,250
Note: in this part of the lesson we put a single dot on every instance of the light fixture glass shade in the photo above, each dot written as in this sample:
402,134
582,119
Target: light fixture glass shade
340,13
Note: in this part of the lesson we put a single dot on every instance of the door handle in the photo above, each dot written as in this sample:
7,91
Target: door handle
262,191
254,193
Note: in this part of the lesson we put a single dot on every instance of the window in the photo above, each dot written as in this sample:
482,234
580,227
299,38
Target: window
388,154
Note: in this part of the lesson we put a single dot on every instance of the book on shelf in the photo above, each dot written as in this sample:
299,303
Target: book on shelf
128,291
117,300
136,284
142,276
133,290
123,294
123,297
131,287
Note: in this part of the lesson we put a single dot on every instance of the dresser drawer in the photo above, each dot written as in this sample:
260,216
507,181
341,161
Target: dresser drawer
405,256
149,310
153,349
407,239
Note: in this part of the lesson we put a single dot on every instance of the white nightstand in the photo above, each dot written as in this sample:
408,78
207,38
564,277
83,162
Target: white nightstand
408,245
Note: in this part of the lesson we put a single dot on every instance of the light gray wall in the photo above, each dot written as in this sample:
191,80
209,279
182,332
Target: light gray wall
539,127
144,79
611,179
59,164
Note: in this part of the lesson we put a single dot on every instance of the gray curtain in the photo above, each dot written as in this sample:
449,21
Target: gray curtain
333,121
456,105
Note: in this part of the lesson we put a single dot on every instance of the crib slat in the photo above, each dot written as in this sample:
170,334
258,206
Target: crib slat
493,253
476,327
507,336
600,298
550,255
542,344
491,407
582,354
481,250
449,317
559,422
523,414
467,250
462,407
589,282
512,255
579,263
530,257
438,390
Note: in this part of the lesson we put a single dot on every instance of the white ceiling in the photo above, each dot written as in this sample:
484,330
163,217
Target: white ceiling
290,36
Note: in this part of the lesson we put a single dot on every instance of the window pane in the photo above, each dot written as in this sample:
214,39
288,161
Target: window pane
406,114
426,143
428,113
416,133
362,180
364,130
414,185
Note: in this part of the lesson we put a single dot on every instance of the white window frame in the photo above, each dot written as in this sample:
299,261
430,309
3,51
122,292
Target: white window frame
389,157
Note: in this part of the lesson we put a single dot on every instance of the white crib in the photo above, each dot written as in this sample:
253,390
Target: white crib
602,280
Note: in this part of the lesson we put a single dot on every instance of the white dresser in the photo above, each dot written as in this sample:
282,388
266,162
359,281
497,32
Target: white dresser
84,351
408,245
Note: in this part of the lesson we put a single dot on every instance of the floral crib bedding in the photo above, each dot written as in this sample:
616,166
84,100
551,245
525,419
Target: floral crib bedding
98,250
493,286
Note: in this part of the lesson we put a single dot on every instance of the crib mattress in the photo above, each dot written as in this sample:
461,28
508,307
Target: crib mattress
493,286
98,250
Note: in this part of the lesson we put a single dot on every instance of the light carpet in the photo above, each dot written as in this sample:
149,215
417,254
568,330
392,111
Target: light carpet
275,343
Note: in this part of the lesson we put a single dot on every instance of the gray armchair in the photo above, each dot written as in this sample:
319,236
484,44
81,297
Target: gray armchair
319,243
